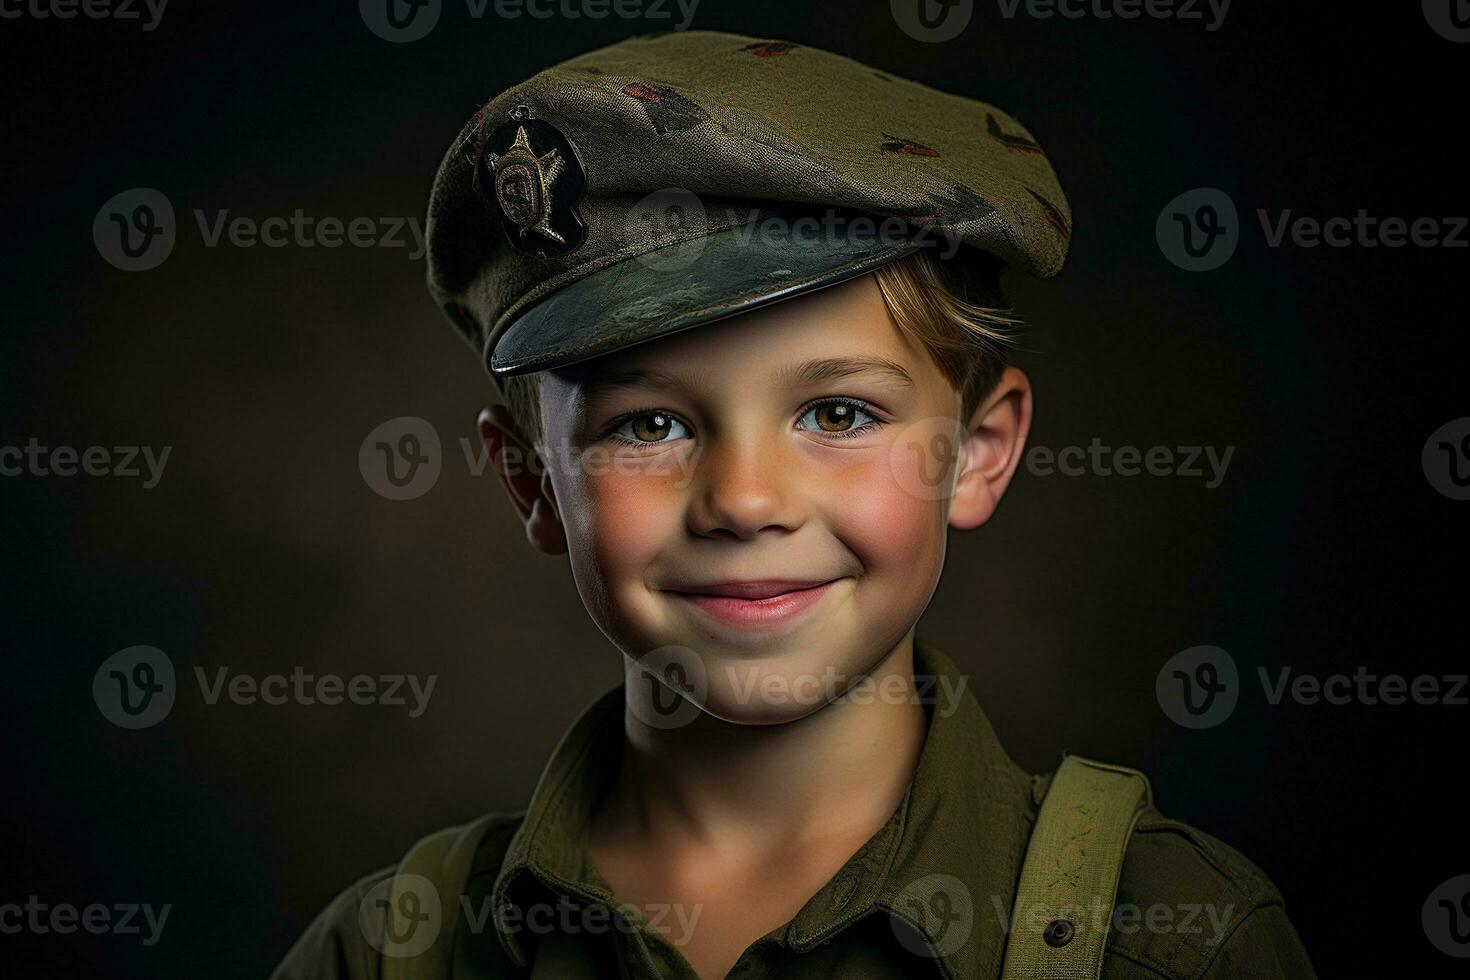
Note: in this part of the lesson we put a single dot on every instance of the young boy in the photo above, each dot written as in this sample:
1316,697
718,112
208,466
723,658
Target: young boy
755,514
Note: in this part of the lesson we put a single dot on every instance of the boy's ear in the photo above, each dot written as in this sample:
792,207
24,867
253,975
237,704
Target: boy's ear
996,440
526,480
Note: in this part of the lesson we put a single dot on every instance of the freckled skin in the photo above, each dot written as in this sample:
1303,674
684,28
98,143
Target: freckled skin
749,487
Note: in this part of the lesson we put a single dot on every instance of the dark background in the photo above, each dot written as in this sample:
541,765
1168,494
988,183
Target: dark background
263,549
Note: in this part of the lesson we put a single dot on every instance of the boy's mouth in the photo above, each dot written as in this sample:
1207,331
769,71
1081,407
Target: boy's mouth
754,603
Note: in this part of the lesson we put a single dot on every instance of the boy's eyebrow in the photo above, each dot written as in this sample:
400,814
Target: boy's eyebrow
811,372
830,368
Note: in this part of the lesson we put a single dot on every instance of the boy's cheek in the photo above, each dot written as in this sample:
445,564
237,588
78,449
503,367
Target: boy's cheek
884,522
625,518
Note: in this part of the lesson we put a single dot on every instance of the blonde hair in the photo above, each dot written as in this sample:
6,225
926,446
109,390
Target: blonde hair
953,308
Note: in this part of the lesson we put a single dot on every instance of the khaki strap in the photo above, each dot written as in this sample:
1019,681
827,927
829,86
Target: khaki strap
1069,880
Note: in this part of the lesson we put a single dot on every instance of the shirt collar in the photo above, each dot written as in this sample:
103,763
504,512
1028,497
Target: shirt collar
944,866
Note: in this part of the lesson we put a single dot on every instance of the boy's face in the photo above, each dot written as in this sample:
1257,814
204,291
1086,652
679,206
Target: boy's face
804,459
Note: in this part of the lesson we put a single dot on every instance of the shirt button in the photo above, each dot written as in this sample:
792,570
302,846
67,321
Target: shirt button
1059,932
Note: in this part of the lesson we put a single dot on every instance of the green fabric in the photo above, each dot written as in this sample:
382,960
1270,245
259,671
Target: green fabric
959,834
1072,865
734,122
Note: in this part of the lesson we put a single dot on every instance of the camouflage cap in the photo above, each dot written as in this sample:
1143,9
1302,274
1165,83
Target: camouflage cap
611,199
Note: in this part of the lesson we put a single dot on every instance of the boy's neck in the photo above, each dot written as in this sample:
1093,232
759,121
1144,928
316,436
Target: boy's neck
840,772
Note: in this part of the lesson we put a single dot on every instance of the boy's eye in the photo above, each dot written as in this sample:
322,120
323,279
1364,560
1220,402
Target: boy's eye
651,427
838,417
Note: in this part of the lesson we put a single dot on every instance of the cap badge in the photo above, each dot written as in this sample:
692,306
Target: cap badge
538,183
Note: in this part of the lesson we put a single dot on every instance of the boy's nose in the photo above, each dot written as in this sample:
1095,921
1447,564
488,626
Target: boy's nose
743,485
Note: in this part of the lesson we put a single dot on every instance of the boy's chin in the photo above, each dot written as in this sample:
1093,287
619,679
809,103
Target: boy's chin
732,709
763,692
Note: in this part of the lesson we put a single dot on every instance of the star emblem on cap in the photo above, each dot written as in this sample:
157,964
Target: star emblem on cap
524,183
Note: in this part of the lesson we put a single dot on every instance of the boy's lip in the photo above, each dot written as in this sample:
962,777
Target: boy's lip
770,602
752,589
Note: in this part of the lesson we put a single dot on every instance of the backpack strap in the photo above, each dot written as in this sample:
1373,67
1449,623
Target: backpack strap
443,859
1069,879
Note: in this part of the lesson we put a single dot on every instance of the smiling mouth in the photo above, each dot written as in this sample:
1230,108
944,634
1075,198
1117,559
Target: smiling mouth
755,603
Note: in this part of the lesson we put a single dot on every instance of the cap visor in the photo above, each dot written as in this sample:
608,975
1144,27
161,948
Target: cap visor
682,286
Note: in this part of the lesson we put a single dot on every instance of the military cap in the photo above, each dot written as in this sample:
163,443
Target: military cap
616,197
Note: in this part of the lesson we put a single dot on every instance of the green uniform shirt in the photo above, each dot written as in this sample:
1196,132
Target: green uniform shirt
1188,906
